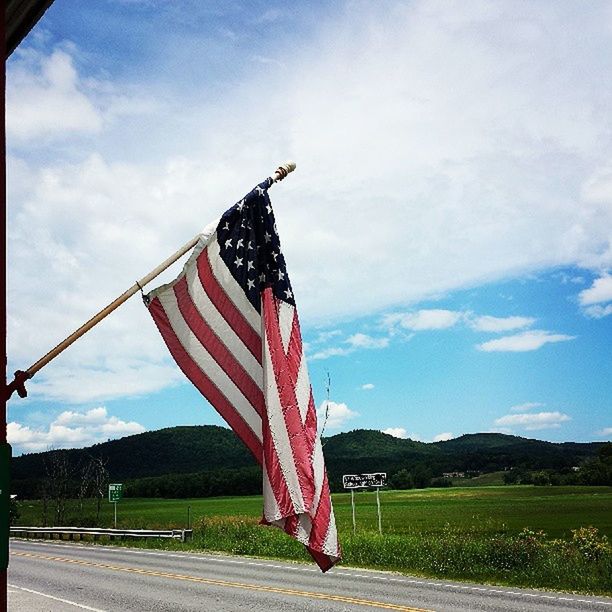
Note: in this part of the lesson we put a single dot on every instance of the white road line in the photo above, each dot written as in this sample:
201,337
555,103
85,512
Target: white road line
334,572
66,601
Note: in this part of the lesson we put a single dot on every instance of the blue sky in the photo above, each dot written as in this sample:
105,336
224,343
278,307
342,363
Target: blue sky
448,230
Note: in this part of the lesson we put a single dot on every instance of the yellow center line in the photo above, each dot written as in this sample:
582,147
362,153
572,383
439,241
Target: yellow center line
227,583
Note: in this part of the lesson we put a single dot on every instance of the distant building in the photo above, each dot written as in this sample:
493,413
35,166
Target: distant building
453,474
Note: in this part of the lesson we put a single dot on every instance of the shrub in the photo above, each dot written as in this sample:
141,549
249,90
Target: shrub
589,543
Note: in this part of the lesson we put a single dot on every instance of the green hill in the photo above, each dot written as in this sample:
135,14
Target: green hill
173,450
209,460
480,441
488,452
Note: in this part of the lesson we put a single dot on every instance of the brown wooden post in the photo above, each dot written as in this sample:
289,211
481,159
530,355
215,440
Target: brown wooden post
3,441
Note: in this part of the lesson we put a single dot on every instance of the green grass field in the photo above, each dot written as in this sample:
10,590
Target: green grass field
489,479
484,534
555,510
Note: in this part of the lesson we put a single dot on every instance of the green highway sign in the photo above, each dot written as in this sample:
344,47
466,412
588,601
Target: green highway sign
115,492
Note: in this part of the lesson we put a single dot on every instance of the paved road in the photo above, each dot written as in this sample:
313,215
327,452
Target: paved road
63,577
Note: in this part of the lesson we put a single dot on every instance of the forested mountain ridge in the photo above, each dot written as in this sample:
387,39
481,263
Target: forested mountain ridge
153,453
211,460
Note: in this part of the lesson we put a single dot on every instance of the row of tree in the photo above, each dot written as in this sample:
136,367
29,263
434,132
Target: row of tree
66,484
247,481
240,481
595,472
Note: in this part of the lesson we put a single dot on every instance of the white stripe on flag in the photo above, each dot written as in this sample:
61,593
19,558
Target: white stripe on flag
271,510
221,327
233,290
208,365
302,388
285,322
319,473
330,545
303,529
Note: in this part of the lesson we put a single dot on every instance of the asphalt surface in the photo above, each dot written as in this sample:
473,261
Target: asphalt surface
63,577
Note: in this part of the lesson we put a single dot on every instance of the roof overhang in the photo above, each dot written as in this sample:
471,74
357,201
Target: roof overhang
20,16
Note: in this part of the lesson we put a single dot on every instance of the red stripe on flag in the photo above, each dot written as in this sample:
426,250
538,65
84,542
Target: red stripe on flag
226,307
320,521
310,422
291,525
300,447
216,348
325,562
294,352
206,387
275,472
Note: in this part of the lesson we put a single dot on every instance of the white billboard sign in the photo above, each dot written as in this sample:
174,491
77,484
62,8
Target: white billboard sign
362,481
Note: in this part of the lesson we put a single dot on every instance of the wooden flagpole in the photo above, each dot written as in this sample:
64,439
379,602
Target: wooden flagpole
18,383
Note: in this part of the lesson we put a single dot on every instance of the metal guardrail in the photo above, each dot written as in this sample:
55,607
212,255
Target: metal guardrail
94,532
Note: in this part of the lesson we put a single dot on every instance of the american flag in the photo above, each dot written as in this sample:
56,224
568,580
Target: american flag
231,324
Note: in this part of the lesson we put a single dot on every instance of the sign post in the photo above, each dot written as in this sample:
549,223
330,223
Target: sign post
115,493
363,481
353,505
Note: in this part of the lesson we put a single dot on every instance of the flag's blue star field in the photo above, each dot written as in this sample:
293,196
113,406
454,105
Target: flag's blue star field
250,247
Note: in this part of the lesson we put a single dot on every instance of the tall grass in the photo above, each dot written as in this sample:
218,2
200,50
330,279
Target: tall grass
527,558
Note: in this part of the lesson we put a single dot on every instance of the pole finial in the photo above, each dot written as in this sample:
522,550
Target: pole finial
18,384
283,170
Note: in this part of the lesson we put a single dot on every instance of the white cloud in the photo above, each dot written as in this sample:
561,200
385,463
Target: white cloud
500,324
526,406
396,432
600,291
479,164
95,416
363,341
442,437
605,432
71,430
46,98
355,342
432,319
326,336
501,430
367,387
48,101
593,299
568,278
401,432
86,382
333,351
85,255
596,311
423,319
337,415
526,341
598,187
533,421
